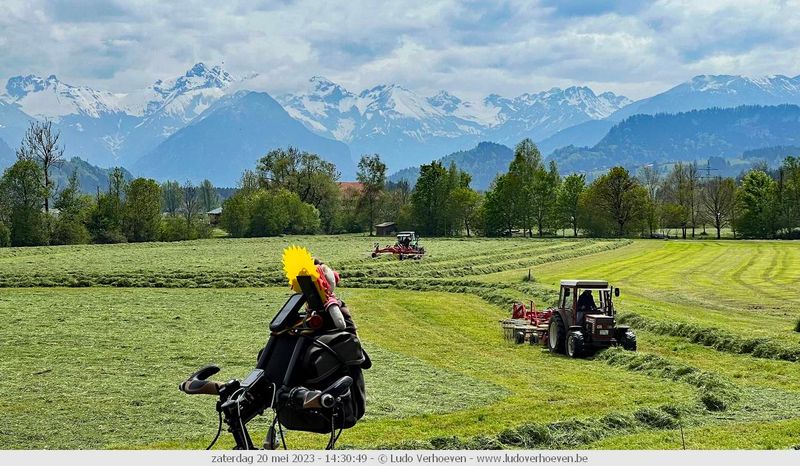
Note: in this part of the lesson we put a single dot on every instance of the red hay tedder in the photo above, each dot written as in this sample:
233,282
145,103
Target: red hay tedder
406,247
577,326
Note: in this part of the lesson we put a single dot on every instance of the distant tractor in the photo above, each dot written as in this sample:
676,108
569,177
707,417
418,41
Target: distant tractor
578,325
406,247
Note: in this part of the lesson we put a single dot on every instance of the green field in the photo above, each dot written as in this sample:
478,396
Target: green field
96,338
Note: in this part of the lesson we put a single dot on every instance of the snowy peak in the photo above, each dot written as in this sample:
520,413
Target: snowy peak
394,112
706,91
198,77
20,86
51,98
445,101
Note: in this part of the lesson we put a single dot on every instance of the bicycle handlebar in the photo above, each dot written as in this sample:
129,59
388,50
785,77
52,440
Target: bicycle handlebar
197,384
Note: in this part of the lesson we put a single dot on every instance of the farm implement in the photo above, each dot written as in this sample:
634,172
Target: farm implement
577,326
406,247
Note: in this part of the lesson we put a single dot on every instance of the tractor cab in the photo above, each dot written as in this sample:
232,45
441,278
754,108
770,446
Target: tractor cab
585,319
407,239
586,297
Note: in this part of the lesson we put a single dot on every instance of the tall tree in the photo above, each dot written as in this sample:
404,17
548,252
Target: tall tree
718,195
209,199
526,172
41,144
171,197
545,196
650,179
191,203
141,217
74,209
676,190
372,176
24,192
313,179
617,196
757,197
464,204
568,203
500,206
429,198
693,194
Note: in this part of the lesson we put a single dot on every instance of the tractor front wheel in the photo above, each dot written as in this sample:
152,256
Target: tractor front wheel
575,346
628,340
556,334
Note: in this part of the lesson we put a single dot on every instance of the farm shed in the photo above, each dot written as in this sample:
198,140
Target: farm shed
213,215
385,229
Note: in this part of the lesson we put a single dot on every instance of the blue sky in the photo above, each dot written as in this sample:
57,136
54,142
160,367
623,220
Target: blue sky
470,48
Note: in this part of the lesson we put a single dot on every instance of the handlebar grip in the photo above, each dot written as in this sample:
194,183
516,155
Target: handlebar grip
200,387
197,384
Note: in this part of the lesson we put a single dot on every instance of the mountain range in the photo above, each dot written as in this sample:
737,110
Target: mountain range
687,136
208,123
407,128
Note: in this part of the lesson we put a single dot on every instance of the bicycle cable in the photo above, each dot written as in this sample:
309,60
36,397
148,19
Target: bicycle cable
219,431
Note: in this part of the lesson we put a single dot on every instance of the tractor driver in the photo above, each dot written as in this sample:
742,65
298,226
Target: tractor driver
586,305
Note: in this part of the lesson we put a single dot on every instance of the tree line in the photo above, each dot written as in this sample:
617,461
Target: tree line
291,192
34,212
294,192
760,203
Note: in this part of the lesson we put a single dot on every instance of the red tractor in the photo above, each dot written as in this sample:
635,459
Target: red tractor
406,247
578,325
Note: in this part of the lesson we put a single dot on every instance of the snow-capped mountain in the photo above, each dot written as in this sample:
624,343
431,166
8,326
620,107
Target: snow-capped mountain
407,128
706,91
231,136
111,128
700,92
543,114
50,98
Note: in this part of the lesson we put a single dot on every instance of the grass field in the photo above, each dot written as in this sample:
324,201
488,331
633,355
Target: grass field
96,338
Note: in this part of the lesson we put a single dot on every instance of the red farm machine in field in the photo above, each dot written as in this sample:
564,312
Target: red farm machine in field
406,247
577,326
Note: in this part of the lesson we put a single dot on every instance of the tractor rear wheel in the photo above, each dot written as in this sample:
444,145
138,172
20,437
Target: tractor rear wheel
575,346
628,340
556,334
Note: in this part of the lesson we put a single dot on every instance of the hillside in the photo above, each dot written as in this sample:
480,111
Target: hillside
772,155
90,177
230,136
483,162
695,135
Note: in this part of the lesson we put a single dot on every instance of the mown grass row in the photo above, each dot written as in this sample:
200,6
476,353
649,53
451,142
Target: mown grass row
355,274
555,435
716,393
720,340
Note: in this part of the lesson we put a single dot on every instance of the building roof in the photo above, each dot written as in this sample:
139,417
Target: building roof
384,224
216,211
350,186
585,283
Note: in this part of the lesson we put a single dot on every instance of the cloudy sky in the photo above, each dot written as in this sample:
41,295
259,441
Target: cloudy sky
470,48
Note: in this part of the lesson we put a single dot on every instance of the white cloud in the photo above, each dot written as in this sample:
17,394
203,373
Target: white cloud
471,49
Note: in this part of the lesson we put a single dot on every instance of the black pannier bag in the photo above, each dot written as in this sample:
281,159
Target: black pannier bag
326,358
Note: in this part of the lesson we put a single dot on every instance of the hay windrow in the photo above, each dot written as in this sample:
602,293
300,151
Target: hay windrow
718,339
